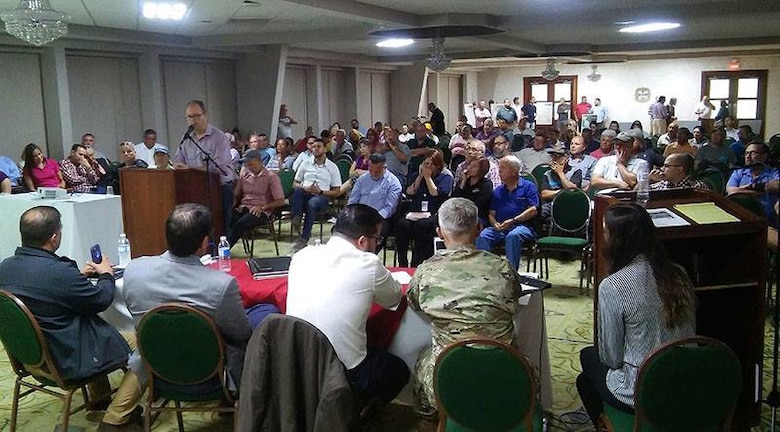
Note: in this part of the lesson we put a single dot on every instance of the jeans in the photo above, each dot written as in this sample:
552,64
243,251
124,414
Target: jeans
312,205
592,386
227,205
514,239
241,220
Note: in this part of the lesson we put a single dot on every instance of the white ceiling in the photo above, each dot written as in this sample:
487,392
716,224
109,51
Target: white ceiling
532,28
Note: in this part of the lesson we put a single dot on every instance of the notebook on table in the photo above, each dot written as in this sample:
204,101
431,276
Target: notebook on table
263,268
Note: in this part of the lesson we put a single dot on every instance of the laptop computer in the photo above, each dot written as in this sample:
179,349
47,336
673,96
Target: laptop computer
264,268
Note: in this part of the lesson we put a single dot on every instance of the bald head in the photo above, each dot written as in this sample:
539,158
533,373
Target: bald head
40,227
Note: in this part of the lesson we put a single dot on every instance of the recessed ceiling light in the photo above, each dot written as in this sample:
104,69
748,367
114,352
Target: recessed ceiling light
164,11
649,27
394,43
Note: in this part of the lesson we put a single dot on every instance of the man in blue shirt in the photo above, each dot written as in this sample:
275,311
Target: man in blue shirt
378,189
11,169
508,113
513,207
757,179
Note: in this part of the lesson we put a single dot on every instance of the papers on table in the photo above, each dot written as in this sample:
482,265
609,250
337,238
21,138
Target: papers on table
705,213
415,216
401,277
663,217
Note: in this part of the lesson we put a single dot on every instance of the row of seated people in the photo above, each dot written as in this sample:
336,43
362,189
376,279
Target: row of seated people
332,287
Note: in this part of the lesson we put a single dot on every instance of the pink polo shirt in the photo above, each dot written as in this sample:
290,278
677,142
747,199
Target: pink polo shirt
46,176
260,188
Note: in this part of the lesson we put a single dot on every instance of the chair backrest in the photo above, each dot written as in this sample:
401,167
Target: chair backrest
749,202
688,384
344,165
570,211
287,178
24,341
485,385
714,179
180,344
456,160
539,171
530,178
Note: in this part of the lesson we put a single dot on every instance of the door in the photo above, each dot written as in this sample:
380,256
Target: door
745,91
548,95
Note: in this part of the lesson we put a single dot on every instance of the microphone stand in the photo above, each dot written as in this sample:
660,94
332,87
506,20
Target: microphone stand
207,158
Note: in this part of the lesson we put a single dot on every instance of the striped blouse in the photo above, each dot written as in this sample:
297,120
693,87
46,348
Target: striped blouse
631,325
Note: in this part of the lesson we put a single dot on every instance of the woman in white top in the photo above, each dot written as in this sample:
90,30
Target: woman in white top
646,301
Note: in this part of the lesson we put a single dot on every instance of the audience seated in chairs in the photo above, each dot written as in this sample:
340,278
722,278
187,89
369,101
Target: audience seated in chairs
619,170
257,194
473,185
282,160
333,287
427,190
162,159
315,183
40,171
483,287
513,206
341,145
128,156
378,189
757,179
178,275
77,171
677,172
716,153
536,154
65,303
567,171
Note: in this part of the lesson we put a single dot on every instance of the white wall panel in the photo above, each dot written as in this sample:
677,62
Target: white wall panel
21,103
294,95
104,100
334,103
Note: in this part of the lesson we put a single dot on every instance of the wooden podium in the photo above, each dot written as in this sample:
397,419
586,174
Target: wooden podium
149,196
727,263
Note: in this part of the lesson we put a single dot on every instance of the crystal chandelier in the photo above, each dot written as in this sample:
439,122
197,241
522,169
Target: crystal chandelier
550,73
438,60
35,22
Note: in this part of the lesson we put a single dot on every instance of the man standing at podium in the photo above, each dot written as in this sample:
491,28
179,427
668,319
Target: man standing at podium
216,144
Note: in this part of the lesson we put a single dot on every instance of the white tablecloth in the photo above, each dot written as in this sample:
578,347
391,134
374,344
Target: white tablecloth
87,219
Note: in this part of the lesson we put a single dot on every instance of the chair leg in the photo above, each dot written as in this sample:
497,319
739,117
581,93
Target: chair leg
15,404
66,409
178,416
273,236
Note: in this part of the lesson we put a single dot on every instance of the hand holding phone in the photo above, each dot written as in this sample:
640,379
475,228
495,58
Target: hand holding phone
97,255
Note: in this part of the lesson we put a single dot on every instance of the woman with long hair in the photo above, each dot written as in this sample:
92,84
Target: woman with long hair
646,301
40,171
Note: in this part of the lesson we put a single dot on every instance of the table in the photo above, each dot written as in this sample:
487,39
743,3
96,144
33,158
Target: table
403,332
87,219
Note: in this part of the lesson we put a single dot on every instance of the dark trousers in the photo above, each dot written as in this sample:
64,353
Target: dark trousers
380,374
592,386
241,220
227,205
422,231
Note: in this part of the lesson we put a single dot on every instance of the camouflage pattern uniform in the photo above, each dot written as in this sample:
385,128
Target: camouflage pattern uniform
466,293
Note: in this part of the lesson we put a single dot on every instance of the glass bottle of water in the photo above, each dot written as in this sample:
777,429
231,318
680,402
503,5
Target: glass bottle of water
643,184
224,254
123,249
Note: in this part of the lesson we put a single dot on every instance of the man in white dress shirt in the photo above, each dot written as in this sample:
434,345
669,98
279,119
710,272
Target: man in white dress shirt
333,287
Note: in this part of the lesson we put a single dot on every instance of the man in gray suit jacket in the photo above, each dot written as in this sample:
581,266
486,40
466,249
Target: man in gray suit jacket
178,276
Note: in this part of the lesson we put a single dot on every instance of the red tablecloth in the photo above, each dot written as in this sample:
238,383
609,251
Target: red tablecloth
380,328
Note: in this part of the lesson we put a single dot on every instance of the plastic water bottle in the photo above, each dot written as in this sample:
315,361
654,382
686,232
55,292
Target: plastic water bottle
224,254
643,184
317,242
109,190
123,248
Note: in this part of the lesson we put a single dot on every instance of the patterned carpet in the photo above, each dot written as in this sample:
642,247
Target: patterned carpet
569,327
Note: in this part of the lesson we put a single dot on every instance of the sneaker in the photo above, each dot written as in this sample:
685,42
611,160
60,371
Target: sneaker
332,220
296,224
300,244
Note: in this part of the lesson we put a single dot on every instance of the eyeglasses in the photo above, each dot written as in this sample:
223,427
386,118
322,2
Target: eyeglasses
194,116
379,239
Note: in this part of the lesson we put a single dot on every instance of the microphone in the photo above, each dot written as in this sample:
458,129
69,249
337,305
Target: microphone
186,134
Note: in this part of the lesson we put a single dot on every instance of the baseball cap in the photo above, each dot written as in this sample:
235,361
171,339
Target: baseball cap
629,135
557,149
161,150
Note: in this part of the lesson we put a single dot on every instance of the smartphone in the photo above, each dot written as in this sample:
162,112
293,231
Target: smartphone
97,255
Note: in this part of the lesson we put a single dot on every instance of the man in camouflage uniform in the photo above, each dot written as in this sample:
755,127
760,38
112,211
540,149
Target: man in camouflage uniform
464,291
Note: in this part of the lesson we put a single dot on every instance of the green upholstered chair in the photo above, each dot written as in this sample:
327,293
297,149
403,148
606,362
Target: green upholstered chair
183,353
30,358
344,165
538,173
530,178
690,384
713,177
287,178
485,385
570,215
